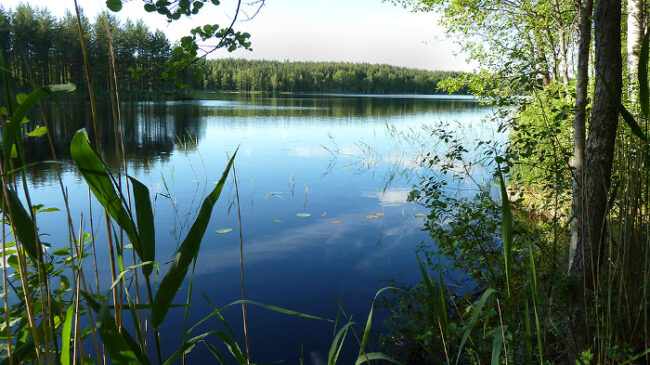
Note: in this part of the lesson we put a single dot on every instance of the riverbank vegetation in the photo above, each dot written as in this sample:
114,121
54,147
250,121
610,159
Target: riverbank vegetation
556,243
54,310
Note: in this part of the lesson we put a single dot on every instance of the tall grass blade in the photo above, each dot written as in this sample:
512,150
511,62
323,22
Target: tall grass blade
215,353
476,313
436,296
372,356
506,229
276,309
529,335
121,348
337,344
627,116
643,75
65,335
146,230
366,331
188,346
533,293
497,346
186,252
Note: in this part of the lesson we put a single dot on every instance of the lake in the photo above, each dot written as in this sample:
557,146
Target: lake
323,182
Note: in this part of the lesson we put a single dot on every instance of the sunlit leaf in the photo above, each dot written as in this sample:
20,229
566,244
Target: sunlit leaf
303,215
224,230
420,215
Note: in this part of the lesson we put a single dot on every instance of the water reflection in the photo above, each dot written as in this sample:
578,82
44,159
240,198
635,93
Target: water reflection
303,263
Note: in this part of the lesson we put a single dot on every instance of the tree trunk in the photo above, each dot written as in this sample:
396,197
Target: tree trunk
582,83
598,160
635,27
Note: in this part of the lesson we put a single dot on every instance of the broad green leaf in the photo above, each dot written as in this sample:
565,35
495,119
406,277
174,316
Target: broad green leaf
121,348
11,134
186,252
224,230
65,336
101,184
146,229
23,224
303,215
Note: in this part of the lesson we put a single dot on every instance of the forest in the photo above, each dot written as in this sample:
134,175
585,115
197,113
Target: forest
549,226
42,49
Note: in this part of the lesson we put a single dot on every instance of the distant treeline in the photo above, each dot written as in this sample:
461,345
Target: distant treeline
41,49
244,75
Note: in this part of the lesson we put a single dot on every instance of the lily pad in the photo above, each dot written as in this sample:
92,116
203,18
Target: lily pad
224,230
304,215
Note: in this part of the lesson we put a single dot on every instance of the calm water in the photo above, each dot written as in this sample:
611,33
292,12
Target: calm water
336,158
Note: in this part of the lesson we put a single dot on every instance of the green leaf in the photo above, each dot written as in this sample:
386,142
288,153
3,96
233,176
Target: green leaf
114,5
121,348
627,117
276,309
303,215
23,225
37,132
188,345
146,229
478,309
497,346
149,7
224,230
65,336
11,135
337,344
371,356
366,331
186,253
101,184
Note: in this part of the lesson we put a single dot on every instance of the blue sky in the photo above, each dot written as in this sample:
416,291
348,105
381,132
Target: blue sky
311,30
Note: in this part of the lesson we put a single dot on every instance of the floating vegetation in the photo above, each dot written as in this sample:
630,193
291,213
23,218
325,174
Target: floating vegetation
223,230
304,215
